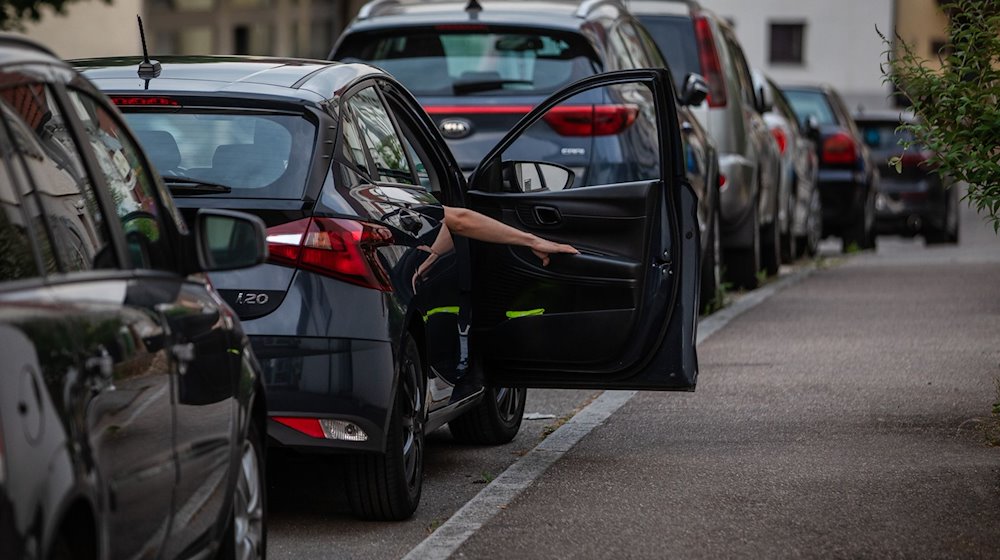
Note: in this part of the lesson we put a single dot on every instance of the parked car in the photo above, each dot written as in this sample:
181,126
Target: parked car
694,39
848,177
916,200
800,214
131,406
373,324
478,67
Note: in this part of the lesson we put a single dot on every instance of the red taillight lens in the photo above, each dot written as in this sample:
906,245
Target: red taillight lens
143,101
335,247
839,149
918,159
711,68
591,120
780,138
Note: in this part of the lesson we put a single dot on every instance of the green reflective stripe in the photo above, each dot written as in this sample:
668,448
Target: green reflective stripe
234,351
453,309
527,313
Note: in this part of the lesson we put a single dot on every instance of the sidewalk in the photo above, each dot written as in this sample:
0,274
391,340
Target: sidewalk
837,419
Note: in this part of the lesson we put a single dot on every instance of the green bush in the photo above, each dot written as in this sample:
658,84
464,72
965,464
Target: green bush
958,105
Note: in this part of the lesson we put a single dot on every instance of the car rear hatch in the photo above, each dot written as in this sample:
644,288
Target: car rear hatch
255,159
476,81
887,143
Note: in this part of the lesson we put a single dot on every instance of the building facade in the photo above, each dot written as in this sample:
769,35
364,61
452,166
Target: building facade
290,28
818,41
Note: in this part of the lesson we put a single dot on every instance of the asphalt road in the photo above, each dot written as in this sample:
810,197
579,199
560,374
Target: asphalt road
842,417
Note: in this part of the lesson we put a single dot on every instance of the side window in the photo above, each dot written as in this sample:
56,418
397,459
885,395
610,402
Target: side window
380,138
56,190
16,259
741,67
132,188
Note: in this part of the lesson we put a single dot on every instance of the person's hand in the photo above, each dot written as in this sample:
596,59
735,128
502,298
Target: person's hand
542,248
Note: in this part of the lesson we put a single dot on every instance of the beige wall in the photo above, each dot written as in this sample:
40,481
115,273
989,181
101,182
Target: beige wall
919,23
90,28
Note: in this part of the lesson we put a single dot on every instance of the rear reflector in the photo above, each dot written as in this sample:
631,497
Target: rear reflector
839,149
143,101
591,120
711,68
324,428
335,247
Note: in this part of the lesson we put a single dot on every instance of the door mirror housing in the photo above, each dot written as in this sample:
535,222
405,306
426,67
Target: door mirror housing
811,128
695,90
535,176
228,240
763,98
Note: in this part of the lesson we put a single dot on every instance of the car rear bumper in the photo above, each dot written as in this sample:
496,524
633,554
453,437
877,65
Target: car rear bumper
330,378
910,213
843,194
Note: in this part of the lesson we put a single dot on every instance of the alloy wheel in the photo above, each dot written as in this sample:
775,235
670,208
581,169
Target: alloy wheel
508,403
248,518
412,415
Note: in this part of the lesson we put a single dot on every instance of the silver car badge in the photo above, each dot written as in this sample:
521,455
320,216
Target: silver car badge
455,128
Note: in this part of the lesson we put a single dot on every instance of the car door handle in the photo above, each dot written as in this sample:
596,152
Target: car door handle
687,127
547,215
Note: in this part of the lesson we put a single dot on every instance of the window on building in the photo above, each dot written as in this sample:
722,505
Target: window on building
787,41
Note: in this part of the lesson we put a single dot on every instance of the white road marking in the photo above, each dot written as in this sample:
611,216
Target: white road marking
444,541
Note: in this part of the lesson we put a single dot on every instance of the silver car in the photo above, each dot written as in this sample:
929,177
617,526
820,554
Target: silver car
693,39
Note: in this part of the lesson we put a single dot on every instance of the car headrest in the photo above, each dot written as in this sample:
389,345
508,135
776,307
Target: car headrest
161,148
246,165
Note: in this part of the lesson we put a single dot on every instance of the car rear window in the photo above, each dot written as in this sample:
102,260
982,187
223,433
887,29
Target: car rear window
256,155
883,136
484,61
815,103
675,38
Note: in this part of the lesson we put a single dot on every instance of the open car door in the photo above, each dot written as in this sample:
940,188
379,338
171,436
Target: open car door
599,166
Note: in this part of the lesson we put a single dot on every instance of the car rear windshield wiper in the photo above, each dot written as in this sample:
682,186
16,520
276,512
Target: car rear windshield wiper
485,85
187,185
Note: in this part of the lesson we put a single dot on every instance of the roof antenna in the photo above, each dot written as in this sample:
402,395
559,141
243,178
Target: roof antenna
473,8
148,69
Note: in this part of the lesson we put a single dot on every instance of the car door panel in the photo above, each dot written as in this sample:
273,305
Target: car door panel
622,312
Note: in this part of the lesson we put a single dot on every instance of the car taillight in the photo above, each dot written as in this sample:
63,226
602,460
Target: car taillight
591,120
839,149
144,101
711,68
335,247
780,138
910,159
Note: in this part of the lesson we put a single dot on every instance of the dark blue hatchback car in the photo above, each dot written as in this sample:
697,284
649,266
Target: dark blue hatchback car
372,324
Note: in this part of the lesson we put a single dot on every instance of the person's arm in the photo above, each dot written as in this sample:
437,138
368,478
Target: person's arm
472,224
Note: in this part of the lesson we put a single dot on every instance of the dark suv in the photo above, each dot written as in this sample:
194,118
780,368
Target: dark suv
373,323
478,67
131,406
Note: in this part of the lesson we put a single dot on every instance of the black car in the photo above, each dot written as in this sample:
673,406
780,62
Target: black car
848,177
915,199
131,405
372,323
478,67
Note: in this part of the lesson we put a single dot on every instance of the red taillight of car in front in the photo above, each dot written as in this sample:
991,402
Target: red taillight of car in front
711,67
780,138
839,149
335,247
591,120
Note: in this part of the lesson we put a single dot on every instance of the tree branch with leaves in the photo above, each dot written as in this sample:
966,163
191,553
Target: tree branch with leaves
957,106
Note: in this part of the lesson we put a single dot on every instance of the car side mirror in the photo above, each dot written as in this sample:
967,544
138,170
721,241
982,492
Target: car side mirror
695,90
764,101
812,128
535,176
229,240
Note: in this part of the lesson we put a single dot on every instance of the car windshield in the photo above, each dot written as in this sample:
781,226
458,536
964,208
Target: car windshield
478,62
675,38
229,154
809,102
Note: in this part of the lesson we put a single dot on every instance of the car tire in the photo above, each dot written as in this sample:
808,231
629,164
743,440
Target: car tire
711,267
789,241
494,420
808,244
742,265
770,239
245,537
860,233
386,486
948,234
